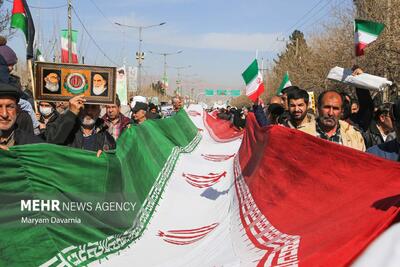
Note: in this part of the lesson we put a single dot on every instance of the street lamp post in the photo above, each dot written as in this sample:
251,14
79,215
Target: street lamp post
165,63
140,54
179,87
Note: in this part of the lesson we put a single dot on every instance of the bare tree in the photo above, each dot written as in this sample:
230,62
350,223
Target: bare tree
5,17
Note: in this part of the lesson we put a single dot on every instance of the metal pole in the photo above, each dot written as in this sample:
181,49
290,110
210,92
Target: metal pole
69,31
165,72
140,61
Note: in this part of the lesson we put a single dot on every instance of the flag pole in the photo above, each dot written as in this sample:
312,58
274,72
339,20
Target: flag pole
30,69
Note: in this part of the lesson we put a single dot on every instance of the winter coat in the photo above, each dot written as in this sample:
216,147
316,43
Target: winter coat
66,130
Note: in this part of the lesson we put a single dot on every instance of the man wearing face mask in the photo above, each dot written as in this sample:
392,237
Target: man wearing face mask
47,114
80,127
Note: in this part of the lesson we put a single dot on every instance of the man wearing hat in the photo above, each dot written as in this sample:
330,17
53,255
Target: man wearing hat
390,150
10,133
153,112
139,113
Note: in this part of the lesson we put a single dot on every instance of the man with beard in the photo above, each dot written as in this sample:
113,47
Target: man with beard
329,127
99,85
10,132
80,127
298,117
52,85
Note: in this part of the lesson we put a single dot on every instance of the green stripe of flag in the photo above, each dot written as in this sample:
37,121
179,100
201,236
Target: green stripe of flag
371,27
18,21
251,72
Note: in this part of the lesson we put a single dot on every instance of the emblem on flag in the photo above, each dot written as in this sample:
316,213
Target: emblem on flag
76,83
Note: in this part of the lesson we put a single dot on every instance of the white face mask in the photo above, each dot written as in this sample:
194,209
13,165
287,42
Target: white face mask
45,111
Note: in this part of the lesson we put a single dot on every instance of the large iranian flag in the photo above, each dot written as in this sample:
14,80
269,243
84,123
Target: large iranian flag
254,81
64,46
21,19
191,201
366,32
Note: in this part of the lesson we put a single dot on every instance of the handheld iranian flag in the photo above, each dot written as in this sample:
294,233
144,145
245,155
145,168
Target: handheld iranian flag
254,81
21,19
365,33
285,83
64,46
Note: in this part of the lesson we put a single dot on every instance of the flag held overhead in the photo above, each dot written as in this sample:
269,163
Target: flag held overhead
366,32
22,19
254,81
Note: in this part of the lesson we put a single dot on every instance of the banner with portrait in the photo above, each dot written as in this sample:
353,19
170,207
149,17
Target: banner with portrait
60,82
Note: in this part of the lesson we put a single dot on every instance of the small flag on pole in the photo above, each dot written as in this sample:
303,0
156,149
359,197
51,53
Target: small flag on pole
284,84
366,32
254,81
64,46
39,57
21,19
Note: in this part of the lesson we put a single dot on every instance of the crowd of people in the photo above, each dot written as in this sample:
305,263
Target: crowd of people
360,122
74,123
357,122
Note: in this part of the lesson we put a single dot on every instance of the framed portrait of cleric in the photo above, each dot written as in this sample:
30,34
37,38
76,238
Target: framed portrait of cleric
60,82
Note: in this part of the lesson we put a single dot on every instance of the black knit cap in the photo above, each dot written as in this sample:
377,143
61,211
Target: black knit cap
10,90
139,106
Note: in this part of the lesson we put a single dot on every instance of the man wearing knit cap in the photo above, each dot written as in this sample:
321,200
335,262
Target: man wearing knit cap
8,54
10,134
390,150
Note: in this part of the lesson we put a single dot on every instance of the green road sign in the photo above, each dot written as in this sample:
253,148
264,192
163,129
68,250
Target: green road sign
234,92
209,92
222,92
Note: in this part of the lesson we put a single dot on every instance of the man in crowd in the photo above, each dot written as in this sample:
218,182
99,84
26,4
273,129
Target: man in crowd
47,114
299,119
355,106
115,120
153,113
390,150
381,129
139,113
62,106
330,127
274,110
81,127
10,133
177,104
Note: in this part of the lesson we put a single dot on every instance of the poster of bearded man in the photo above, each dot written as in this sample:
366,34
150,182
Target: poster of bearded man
60,82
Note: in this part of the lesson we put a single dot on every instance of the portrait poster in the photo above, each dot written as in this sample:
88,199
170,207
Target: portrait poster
60,82
122,86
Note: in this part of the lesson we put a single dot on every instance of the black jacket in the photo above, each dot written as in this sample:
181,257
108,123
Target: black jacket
66,130
54,116
24,138
373,136
24,122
